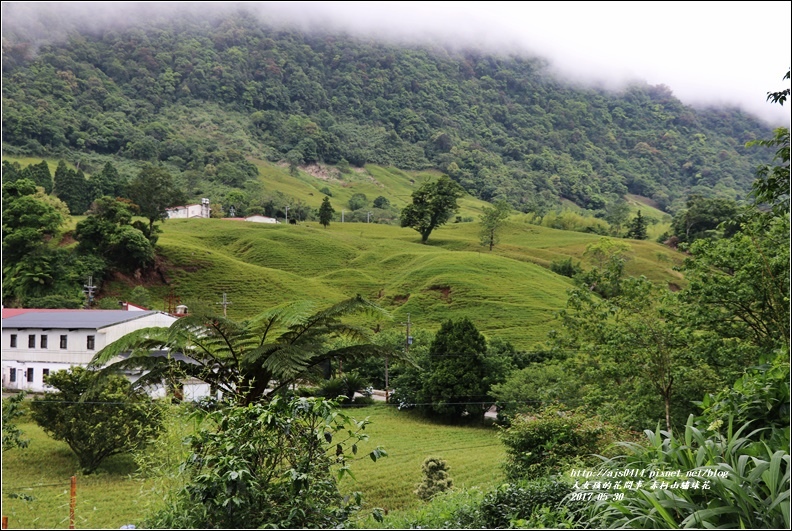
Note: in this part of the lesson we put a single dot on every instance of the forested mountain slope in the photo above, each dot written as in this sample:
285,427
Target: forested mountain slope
202,95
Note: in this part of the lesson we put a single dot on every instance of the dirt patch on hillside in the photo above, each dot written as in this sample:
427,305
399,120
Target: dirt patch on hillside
445,292
322,172
401,299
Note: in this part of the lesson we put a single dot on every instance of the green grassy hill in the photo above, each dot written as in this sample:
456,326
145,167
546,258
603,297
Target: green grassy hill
509,293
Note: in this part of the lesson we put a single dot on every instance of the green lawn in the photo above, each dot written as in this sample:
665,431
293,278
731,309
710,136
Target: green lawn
36,480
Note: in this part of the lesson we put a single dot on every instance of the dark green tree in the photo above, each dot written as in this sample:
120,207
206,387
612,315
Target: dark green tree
41,175
381,202
107,233
358,201
106,183
455,379
326,212
702,216
432,205
71,187
27,221
97,419
637,228
491,222
154,190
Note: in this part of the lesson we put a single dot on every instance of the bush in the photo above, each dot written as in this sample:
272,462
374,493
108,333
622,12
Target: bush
435,478
521,501
96,417
267,465
551,442
565,267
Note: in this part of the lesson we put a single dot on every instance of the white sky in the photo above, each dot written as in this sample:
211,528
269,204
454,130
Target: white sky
708,53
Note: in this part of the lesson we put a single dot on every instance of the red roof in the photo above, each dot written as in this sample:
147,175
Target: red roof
11,312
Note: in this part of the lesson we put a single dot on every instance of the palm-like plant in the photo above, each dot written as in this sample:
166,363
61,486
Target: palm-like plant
248,360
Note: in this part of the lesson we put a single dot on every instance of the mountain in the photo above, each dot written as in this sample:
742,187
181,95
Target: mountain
205,95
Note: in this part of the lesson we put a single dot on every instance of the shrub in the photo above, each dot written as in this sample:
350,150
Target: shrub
552,441
435,478
565,267
267,465
96,417
521,501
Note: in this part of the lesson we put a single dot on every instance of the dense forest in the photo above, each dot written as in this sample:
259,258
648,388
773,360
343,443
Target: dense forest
202,96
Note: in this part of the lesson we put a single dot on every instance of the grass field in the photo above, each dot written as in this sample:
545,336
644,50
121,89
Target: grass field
115,495
509,293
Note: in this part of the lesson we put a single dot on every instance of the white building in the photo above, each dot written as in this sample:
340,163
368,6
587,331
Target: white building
201,210
37,342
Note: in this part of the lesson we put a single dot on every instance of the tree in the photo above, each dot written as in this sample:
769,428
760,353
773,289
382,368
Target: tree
358,201
108,234
27,221
432,205
491,222
97,419
701,216
250,360
154,190
326,212
381,202
638,342
106,183
454,378
12,435
72,188
637,228
268,465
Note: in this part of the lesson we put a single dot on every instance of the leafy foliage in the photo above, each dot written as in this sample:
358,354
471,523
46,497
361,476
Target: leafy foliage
13,437
268,465
326,212
452,380
247,361
432,205
96,419
491,222
435,478
550,442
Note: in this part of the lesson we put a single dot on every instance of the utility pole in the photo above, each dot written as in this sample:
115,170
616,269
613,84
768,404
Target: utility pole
88,289
287,215
368,217
225,305
342,215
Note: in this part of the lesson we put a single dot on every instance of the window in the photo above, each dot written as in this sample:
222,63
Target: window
91,342
30,374
13,340
45,372
63,341
43,341
32,341
12,375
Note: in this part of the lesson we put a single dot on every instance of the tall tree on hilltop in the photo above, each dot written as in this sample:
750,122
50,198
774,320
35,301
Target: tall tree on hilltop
432,205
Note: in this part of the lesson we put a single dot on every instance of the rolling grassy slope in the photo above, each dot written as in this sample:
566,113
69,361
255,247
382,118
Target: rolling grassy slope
509,293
